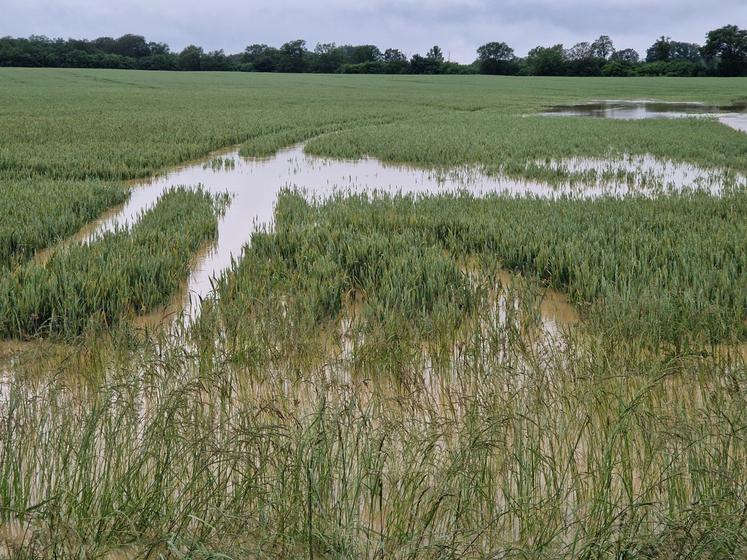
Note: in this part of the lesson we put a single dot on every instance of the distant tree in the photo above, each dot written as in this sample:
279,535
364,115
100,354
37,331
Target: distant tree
419,64
324,48
546,61
215,61
685,51
80,45
435,54
660,51
41,39
395,61
617,68
165,61
259,57
725,53
104,44
191,58
579,51
394,55
434,60
602,47
675,68
134,46
158,48
726,50
291,56
365,53
625,56
496,58
329,58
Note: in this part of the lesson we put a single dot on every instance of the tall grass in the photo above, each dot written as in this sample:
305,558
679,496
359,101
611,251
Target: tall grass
672,269
365,385
124,272
510,449
36,214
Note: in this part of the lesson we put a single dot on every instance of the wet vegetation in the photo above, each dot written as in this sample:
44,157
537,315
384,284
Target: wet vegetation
37,213
368,380
124,272
661,270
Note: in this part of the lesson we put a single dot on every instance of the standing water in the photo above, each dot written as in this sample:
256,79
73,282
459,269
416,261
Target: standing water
734,116
254,185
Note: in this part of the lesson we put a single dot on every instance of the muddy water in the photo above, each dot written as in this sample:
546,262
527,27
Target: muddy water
254,184
734,116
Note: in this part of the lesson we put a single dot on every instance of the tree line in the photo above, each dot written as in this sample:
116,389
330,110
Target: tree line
724,53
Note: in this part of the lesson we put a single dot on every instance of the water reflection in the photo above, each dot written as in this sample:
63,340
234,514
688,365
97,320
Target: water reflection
734,115
254,185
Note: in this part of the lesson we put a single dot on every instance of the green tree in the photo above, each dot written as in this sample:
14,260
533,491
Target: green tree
329,58
660,51
685,51
625,56
547,61
726,50
496,58
291,56
365,53
435,54
191,58
395,61
579,51
602,47
419,64
134,46
215,61
260,57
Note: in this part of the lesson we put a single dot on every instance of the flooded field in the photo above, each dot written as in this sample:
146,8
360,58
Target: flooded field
734,116
253,185
425,326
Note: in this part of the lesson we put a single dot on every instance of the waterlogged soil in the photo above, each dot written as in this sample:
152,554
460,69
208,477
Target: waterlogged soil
254,184
734,115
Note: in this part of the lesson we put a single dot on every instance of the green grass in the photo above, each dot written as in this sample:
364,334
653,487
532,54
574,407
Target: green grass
124,272
127,124
511,448
102,125
662,270
39,213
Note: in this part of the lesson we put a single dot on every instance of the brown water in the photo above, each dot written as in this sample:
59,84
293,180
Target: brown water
734,116
254,184
507,372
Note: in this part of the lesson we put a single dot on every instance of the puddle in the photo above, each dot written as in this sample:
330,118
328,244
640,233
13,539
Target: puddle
645,175
734,116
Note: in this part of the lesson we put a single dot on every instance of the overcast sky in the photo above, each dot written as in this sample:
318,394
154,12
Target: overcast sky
458,26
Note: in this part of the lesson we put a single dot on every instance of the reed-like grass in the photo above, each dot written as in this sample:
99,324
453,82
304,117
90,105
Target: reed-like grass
508,449
366,386
121,273
669,270
36,214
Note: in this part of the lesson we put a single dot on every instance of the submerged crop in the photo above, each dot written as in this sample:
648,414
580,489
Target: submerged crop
123,272
369,380
665,270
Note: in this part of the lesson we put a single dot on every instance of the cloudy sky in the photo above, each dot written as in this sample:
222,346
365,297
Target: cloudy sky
458,26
